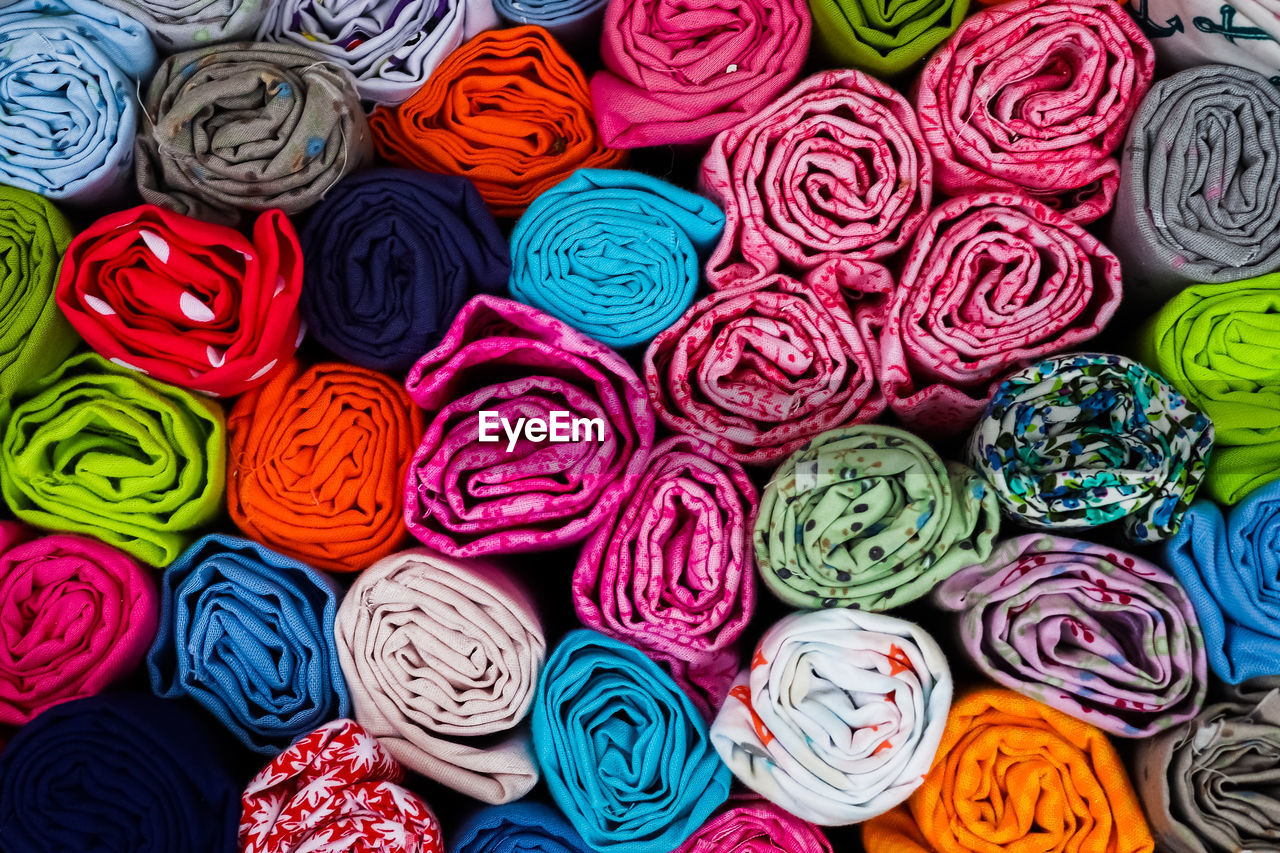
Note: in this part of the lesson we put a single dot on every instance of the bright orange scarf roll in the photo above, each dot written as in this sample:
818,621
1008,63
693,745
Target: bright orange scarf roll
317,464
1014,775
509,109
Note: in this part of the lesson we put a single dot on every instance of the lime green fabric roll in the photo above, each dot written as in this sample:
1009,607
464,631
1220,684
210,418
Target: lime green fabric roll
884,38
97,449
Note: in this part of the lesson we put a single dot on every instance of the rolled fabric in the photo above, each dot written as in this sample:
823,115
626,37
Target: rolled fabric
234,129
625,754
993,282
97,449
1102,635
759,368
1085,439
884,40
751,825
75,616
119,772
670,570
615,254
1013,774
570,21
335,791
1187,33
509,109
69,78
679,76
523,827
391,256
472,489
183,24
869,517
247,634
442,658
1253,690
190,303
1035,96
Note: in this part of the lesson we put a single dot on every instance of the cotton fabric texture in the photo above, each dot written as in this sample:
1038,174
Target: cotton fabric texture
752,825
523,827
881,39
1188,33
570,21
177,25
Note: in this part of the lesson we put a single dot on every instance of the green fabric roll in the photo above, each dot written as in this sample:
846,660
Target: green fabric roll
869,517
97,449
1219,345
884,38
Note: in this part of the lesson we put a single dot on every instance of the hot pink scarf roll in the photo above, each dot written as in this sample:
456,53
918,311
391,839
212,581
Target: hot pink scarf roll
993,282
506,361
75,615
759,368
671,571
835,167
1036,95
677,72
753,825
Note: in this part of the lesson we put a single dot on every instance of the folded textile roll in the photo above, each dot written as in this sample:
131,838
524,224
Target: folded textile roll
232,129
507,379
247,634
523,827
391,256
869,517
623,750
670,570
1102,635
335,791
615,254
1012,774
75,616
836,167
1252,690
1085,439
97,449
509,109
884,39
69,71
183,24
680,75
750,825
1187,33
121,772
993,281
189,303
759,368
569,21
1036,96
441,657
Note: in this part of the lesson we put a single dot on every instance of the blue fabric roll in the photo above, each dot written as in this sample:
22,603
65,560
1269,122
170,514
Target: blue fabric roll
119,772
1230,566
390,256
69,70
624,751
522,827
615,254
248,634
568,20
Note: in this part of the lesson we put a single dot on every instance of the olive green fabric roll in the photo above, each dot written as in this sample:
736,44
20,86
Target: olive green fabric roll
884,38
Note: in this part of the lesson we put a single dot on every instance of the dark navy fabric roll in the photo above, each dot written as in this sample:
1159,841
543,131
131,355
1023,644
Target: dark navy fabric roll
390,256
521,827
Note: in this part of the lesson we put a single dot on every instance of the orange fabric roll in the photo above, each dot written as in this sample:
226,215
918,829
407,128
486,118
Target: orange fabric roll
317,464
509,109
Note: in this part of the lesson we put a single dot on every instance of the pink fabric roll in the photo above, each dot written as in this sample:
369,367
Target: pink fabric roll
1036,95
465,497
751,825
671,571
835,167
993,282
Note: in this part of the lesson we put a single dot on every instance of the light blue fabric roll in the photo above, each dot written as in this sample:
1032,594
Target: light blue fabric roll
568,20
522,827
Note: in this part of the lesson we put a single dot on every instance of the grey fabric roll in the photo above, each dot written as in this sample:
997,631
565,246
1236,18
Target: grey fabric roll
181,24
1252,691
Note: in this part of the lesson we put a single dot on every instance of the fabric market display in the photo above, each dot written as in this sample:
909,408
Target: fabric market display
234,129
96,449
678,75
465,496
1080,440
189,303
836,167
442,658
614,254
750,825
177,25
1035,96
391,256
509,109
335,791
624,752
570,21
993,282
1187,33
882,39
523,827
248,635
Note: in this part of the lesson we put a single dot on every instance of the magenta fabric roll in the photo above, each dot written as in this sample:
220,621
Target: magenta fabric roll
75,615
466,497
671,572
752,825
836,167
1036,95
679,73
993,282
